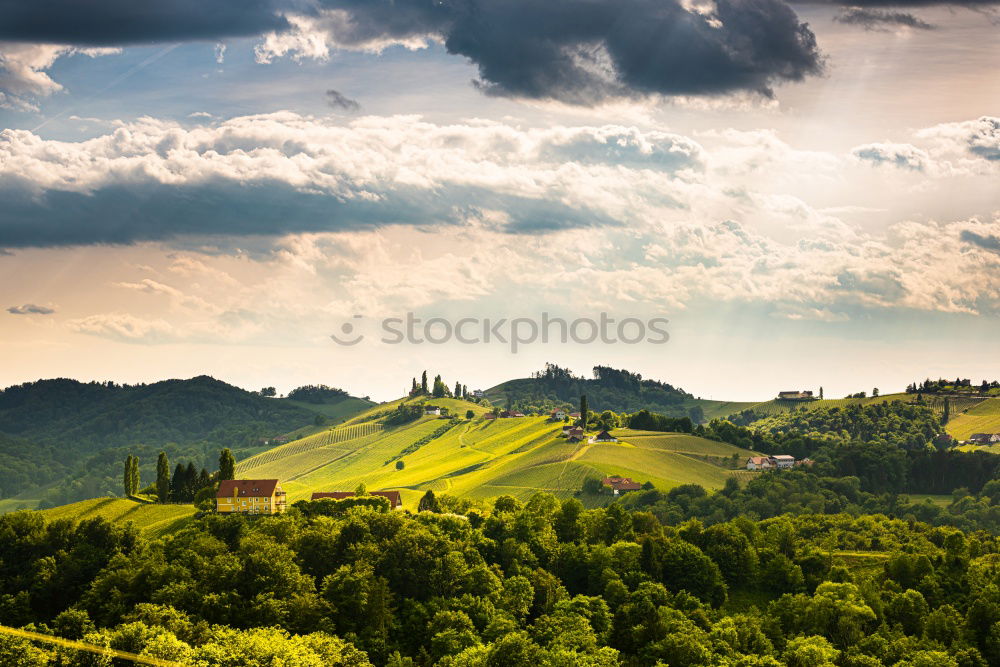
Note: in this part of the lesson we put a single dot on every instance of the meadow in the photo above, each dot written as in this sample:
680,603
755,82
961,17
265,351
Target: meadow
984,417
482,458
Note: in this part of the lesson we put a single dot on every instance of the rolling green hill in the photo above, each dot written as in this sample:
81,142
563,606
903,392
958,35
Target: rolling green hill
984,417
72,436
775,406
154,520
481,458
609,388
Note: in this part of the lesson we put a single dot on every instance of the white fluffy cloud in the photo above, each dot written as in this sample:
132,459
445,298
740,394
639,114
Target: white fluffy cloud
403,214
23,76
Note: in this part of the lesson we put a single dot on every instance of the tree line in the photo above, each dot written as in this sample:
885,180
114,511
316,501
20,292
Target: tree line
508,582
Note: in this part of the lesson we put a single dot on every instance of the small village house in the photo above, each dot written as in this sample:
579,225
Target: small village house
250,496
760,463
783,461
604,436
620,485
432,410
575,431
795,395
394,498
558,415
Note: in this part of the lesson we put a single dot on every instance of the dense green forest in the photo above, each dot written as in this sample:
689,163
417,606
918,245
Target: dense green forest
609,388
546,583
74,435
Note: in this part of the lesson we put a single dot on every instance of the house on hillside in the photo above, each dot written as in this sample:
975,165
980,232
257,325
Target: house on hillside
575,431
805,463
760,463
432,410
980,438
995,438
394,498
795,395
517,414
604,436
620,485
574,415
478,393
557,415
250,496
489,415
783,461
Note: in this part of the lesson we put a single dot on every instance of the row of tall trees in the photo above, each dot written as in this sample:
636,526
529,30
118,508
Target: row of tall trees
186,481
438,389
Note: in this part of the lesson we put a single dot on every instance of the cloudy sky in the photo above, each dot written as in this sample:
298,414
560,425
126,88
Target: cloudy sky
809,193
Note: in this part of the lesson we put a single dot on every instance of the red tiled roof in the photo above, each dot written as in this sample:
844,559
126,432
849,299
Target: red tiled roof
393,496
247,488
621,483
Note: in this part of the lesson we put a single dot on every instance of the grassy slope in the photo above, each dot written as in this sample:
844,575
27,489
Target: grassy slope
335,412
481,458
981,418
154,520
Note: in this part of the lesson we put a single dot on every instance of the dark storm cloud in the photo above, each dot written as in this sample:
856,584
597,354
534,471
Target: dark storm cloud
338,100
578,51
987,242
880,19
127,214
583,51
122,22
30,309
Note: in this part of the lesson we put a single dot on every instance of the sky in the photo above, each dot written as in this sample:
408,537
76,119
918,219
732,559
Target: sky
798,195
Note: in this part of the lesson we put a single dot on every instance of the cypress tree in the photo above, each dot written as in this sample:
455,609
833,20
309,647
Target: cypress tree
227,465
204,479
465,391
190,481
584,411
458,390
127,478
134,479
177,483
413,389
423,382
162,478
947,412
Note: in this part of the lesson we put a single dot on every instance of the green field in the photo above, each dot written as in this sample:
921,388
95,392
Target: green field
983,417
335,412
720,409
481,458
152,519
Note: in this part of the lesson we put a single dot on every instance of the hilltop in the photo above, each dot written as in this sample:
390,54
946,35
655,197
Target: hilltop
611,389
72,436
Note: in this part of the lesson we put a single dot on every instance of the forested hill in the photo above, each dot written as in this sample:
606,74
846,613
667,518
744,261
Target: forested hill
73,435
609,388
92,415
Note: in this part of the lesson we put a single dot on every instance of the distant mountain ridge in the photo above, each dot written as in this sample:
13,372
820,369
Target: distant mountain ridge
177,411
